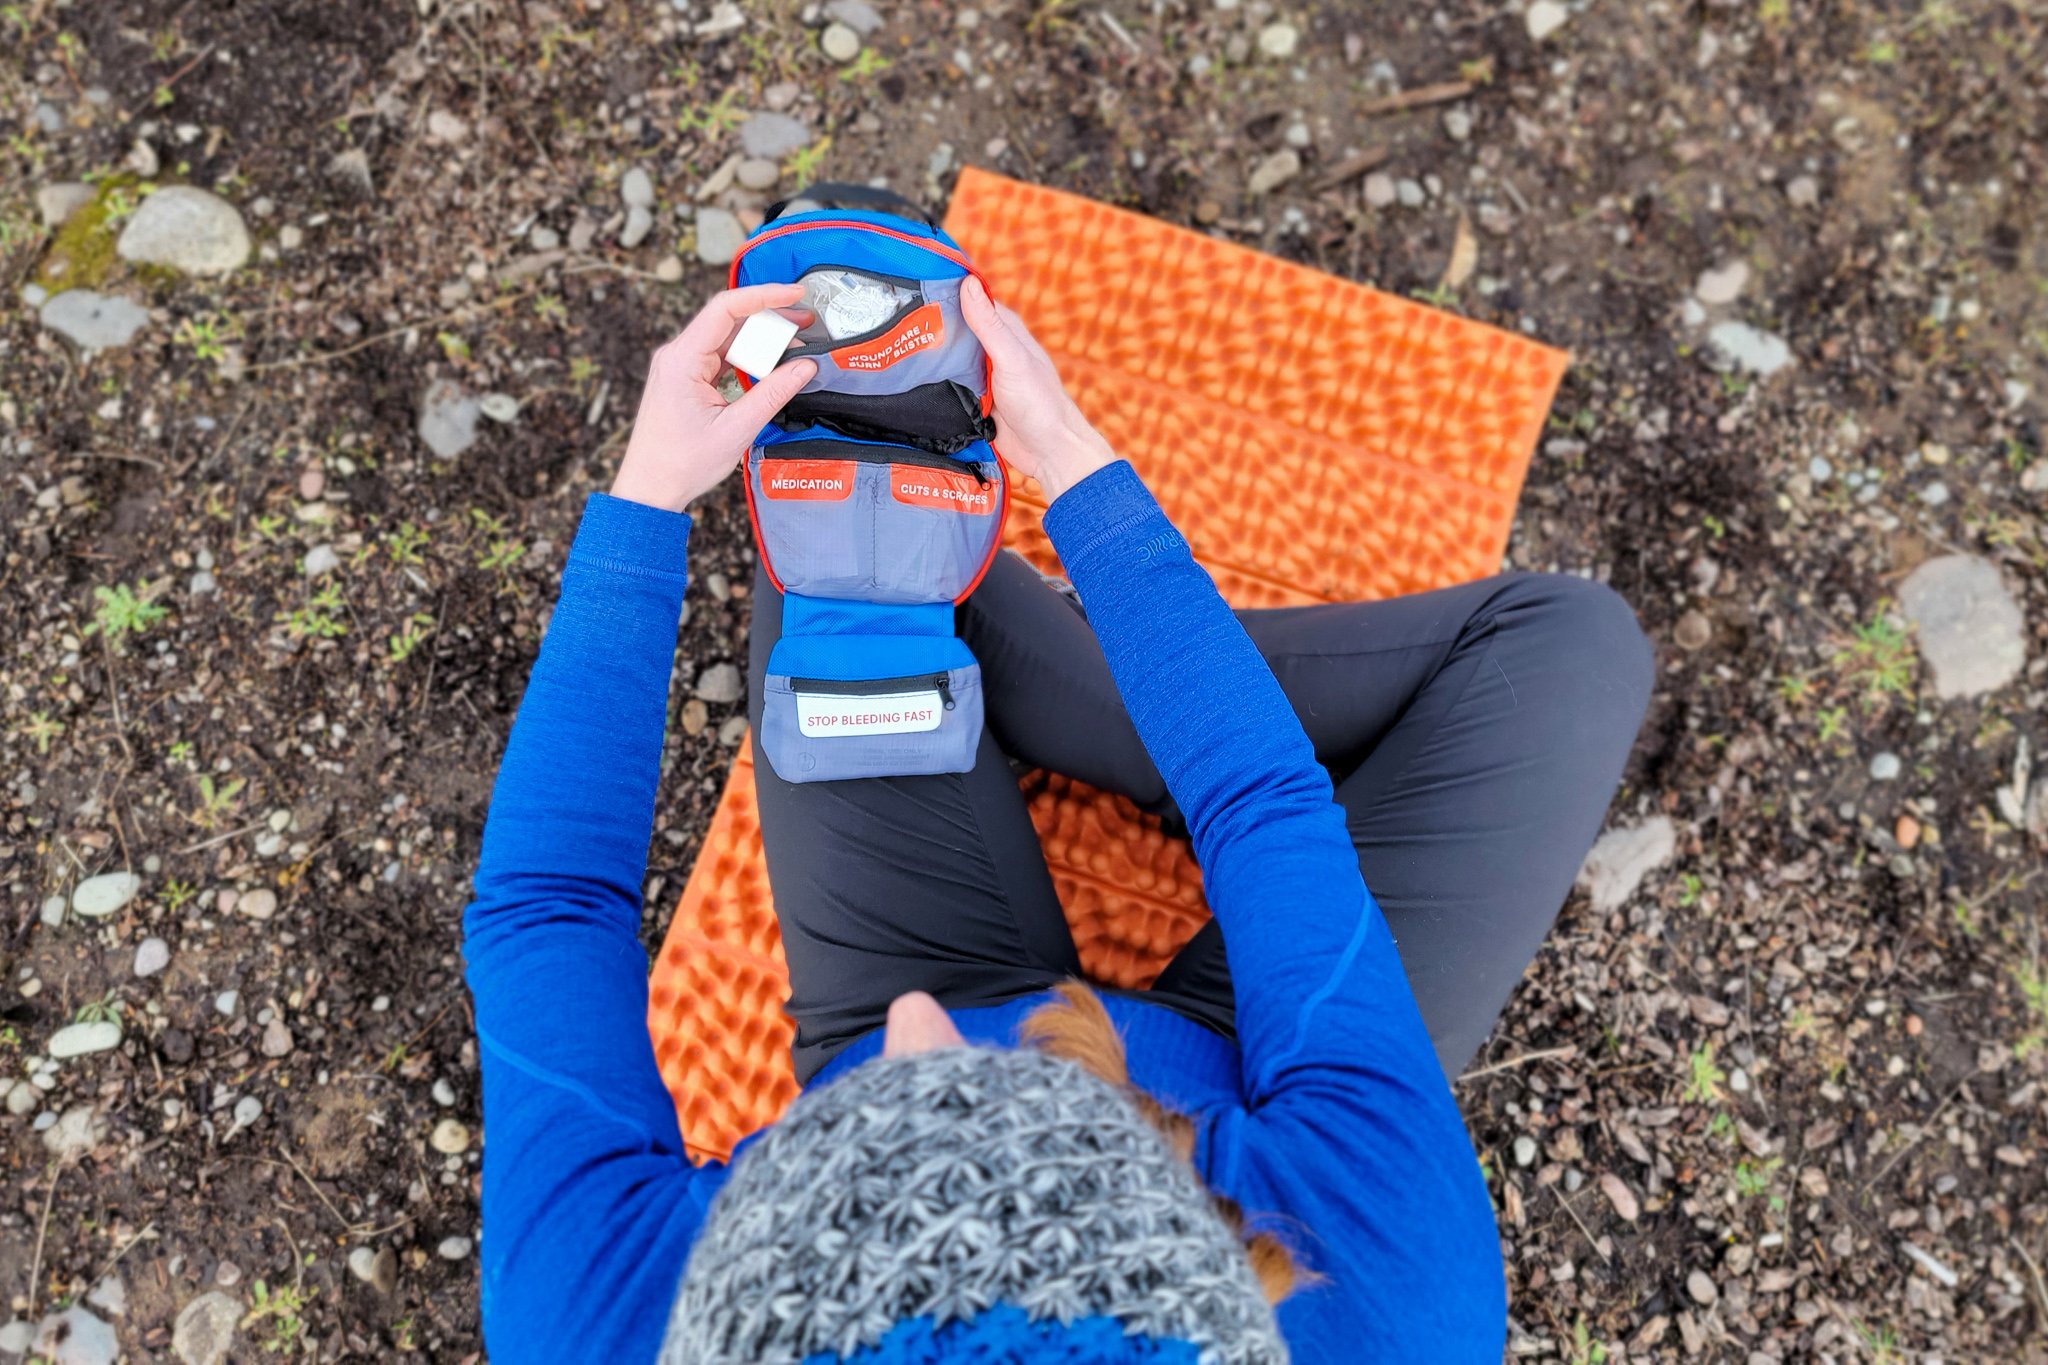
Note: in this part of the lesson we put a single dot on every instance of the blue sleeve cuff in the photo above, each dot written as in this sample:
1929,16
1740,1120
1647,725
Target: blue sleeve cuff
1098,509
631,537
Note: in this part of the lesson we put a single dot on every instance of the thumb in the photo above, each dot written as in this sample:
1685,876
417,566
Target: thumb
984,321
757,407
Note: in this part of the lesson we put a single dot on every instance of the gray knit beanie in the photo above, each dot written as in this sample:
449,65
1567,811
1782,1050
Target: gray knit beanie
1002,1195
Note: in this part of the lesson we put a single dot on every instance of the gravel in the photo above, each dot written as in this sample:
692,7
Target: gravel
1546,17
79,1040
447,419
720,684
1745,348
56,203
1722,285
1622,857
839,42
719,236
205,1329
450,1137
1273,172
1278,40
453,1249
152,955
772,136
76,1337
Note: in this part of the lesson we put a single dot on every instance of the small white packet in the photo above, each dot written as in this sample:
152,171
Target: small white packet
758,347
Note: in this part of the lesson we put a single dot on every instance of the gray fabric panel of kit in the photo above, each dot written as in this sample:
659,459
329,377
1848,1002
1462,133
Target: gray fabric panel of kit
797,757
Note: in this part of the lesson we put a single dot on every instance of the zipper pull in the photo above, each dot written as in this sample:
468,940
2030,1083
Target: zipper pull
945,690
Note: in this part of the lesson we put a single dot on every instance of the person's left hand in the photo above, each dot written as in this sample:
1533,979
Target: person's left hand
686,437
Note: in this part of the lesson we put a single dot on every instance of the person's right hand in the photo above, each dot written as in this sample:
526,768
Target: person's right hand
1038,429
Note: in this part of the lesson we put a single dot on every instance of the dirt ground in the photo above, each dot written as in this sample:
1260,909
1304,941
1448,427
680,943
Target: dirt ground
1781,1098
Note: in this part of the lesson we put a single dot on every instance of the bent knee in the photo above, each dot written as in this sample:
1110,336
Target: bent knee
1589,626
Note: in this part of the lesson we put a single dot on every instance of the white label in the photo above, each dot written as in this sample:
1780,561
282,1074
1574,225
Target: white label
820,715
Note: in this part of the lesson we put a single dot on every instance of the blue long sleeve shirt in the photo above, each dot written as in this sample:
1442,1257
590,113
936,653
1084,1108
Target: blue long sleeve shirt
1329,1116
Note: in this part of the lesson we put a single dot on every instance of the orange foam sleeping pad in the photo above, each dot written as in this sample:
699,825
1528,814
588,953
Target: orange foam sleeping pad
1314,439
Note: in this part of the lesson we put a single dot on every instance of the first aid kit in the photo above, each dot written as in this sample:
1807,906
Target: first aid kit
877,499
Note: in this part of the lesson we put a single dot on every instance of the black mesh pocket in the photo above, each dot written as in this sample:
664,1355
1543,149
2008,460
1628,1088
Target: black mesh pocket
944,418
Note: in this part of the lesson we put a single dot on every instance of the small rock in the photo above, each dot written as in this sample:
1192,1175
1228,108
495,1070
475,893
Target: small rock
1722,286
227,1002
206,1329
695,717
1803,191
1820,469
152,955
778,97
726,17
259,904
1546,17
378,1268
857,15
277,1039
1935,494
248,1109
98,897
312,482
56,203
669,269
445,127
1622,857
1694,631
1700,1285
16,1337
499,407
720,684
1410,194
77,1131
543,238
1458,124
1379,190
1744,347
1299,135
732,731
76,1337
639,222
79,1040
636,188
719,236
1906,832
450,1137
1278,40
351,169
771,136
321,559
758,173
447,421
110,1296
176,1044
1885,766
188,230
1273,172
23,1098
839,42
444,1093
93,322
1970,630
453,1248
1525,1151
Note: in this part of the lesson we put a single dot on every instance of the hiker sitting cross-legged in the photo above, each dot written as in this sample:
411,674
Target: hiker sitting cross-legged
1257,1159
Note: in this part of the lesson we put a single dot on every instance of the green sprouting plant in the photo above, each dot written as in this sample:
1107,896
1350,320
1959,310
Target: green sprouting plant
500,555
217,804
717,117
1882,52
1689,888
1882,1343
582,369
177,895
207,335
319,619
1437,296
453,346
104,1010
405,543
1720,1126
548,308
40,730
2033,984
277,1312
417,627
1716,527
401,1334
1704,1086
1795,687
269,525
1830,721
1753,1179
1878,661
867,63
803,163
124,611
2017,456
1585,1350
179,753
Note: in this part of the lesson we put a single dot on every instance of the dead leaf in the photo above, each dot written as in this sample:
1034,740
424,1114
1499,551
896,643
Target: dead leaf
1620,1195
1464,256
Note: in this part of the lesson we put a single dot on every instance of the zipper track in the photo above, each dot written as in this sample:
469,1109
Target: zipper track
818,448
878,687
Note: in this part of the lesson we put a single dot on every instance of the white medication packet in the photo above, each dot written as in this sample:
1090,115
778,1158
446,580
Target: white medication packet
762,339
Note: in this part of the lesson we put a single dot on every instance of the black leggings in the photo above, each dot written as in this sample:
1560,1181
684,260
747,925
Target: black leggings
1474,736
